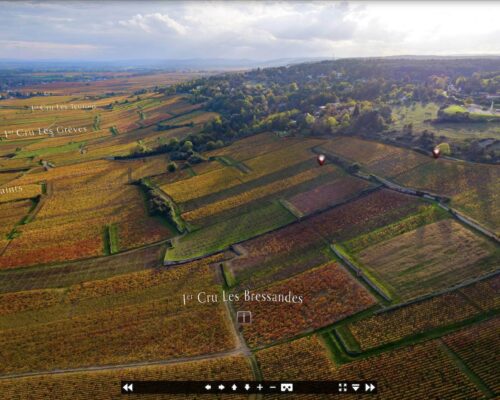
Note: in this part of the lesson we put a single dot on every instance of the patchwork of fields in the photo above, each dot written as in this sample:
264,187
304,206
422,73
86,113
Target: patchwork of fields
308,358
393,287
473,188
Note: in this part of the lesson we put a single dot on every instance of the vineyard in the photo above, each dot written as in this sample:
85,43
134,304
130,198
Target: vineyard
484,294
223,234
295,248
278,255
329,294
136,316
110,127
11,214
318,176
376,157
307,358
302,359
87,211
106,384
63,275
327,195
287,155
476,347
252,195
473,188
363,214
430,258
423,316
100,281
425,215
12,193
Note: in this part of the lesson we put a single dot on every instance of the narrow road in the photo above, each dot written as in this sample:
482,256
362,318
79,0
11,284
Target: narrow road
242,344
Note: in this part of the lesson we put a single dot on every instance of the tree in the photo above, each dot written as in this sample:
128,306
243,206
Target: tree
309,119
331,123
195,158
356,112
187,146
172,166
173,144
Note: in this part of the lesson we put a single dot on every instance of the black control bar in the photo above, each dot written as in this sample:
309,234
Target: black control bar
248,387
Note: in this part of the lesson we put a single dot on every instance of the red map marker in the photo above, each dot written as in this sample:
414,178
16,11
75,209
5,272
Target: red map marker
436,152
321,159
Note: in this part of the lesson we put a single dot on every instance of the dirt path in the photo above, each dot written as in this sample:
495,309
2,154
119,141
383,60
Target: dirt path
240,340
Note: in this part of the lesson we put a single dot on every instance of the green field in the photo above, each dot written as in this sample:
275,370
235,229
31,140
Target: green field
50,150
475,116
221,235
418,113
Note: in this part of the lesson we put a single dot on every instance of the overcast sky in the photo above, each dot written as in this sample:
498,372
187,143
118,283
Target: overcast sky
261,30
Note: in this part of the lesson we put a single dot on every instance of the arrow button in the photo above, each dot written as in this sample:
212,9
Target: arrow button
128,387
369,387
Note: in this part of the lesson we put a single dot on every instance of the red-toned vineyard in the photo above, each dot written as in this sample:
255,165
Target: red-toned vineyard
105,384
485,294
367,213
478,347
375,209
329,294
328,195
295,237
409,320
303,359
397,372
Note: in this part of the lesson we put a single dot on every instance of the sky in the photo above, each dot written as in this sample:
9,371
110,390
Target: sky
255,30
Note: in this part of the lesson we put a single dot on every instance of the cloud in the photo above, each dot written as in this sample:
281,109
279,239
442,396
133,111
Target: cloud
253,29
154,23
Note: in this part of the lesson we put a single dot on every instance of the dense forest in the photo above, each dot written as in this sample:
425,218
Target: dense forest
341,97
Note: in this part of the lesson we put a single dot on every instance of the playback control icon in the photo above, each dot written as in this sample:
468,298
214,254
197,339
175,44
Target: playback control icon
128,387
369,387
247,387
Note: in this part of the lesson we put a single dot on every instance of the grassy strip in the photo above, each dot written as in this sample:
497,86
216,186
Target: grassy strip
105,241
368,274
113,238
334,349
50,150
257,373
225,160
462,366
110,239
381,300
97,123
344,335
191,171
229,278
289,206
